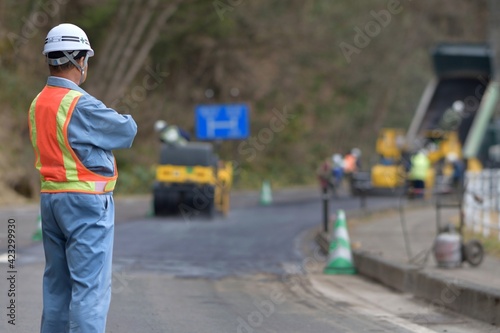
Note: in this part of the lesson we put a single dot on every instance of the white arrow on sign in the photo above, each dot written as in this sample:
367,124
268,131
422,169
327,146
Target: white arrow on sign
213,125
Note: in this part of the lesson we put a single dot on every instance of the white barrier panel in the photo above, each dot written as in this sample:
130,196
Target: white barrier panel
481,201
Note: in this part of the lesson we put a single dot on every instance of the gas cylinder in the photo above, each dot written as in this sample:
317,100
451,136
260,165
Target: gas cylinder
448,250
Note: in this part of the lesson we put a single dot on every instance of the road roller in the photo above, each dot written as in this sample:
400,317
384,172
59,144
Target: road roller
190,178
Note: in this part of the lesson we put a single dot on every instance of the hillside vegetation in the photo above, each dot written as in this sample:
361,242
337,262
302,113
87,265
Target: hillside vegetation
329,73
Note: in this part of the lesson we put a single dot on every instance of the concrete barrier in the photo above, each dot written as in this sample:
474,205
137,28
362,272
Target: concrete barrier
440,291
397,276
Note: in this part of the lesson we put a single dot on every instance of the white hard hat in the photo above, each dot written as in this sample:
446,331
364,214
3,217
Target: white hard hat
458,106
67,37
160,125
337,159
452,157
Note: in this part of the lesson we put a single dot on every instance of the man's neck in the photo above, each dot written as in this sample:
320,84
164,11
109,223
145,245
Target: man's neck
68,75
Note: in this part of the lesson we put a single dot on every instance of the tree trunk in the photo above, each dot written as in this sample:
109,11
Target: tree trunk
114,45
118,88
127,46
130,49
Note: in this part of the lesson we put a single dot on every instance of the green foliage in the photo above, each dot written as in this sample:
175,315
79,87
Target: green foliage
16,93
136,179
192,22
279,175
96,19
279,54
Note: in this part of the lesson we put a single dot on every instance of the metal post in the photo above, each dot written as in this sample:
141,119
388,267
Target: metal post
438,215
325,198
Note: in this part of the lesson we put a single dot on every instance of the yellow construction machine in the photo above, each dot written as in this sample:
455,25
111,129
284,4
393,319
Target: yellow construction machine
389,172
442,121
190,178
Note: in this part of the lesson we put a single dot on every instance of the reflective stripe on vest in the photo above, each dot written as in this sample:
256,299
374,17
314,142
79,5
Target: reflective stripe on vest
60,168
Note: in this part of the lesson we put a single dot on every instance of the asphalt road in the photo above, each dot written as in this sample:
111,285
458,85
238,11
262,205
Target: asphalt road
256,270
252,239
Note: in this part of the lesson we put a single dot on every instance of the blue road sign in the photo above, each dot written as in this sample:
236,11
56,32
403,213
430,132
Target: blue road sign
222,121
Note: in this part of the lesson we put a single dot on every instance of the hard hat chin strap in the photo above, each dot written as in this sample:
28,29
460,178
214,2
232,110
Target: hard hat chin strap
77,65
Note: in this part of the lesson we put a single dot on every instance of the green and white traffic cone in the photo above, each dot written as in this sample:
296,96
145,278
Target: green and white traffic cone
151,210
37,236
340,254
266,196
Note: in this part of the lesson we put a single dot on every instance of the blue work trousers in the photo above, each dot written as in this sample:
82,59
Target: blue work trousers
78,233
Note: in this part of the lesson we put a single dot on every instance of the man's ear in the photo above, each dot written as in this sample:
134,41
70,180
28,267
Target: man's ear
81,61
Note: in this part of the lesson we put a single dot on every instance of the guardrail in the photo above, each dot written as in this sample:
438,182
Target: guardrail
481,202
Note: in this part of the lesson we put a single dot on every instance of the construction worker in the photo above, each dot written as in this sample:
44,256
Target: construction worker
453,116
73,135
351,165
324,173
337,169
352,161
458,170
420,165
170,133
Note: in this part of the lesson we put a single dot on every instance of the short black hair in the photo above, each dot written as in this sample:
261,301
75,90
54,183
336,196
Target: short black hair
69,64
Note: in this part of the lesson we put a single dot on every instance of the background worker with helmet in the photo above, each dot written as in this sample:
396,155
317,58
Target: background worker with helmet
73,135
337,171
453,116
352,161
324,173
165,130
420,166
351,165
457,170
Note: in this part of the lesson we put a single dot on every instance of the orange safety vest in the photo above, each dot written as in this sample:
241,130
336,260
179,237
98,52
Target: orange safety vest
60,168
349,163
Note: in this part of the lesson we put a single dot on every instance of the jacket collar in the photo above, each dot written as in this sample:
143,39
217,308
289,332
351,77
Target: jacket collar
56,81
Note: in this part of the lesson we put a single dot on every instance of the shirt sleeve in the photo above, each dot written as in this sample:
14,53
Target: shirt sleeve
103,127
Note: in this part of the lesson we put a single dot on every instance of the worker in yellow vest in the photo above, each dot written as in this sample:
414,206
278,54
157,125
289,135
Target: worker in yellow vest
420,165
73,135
